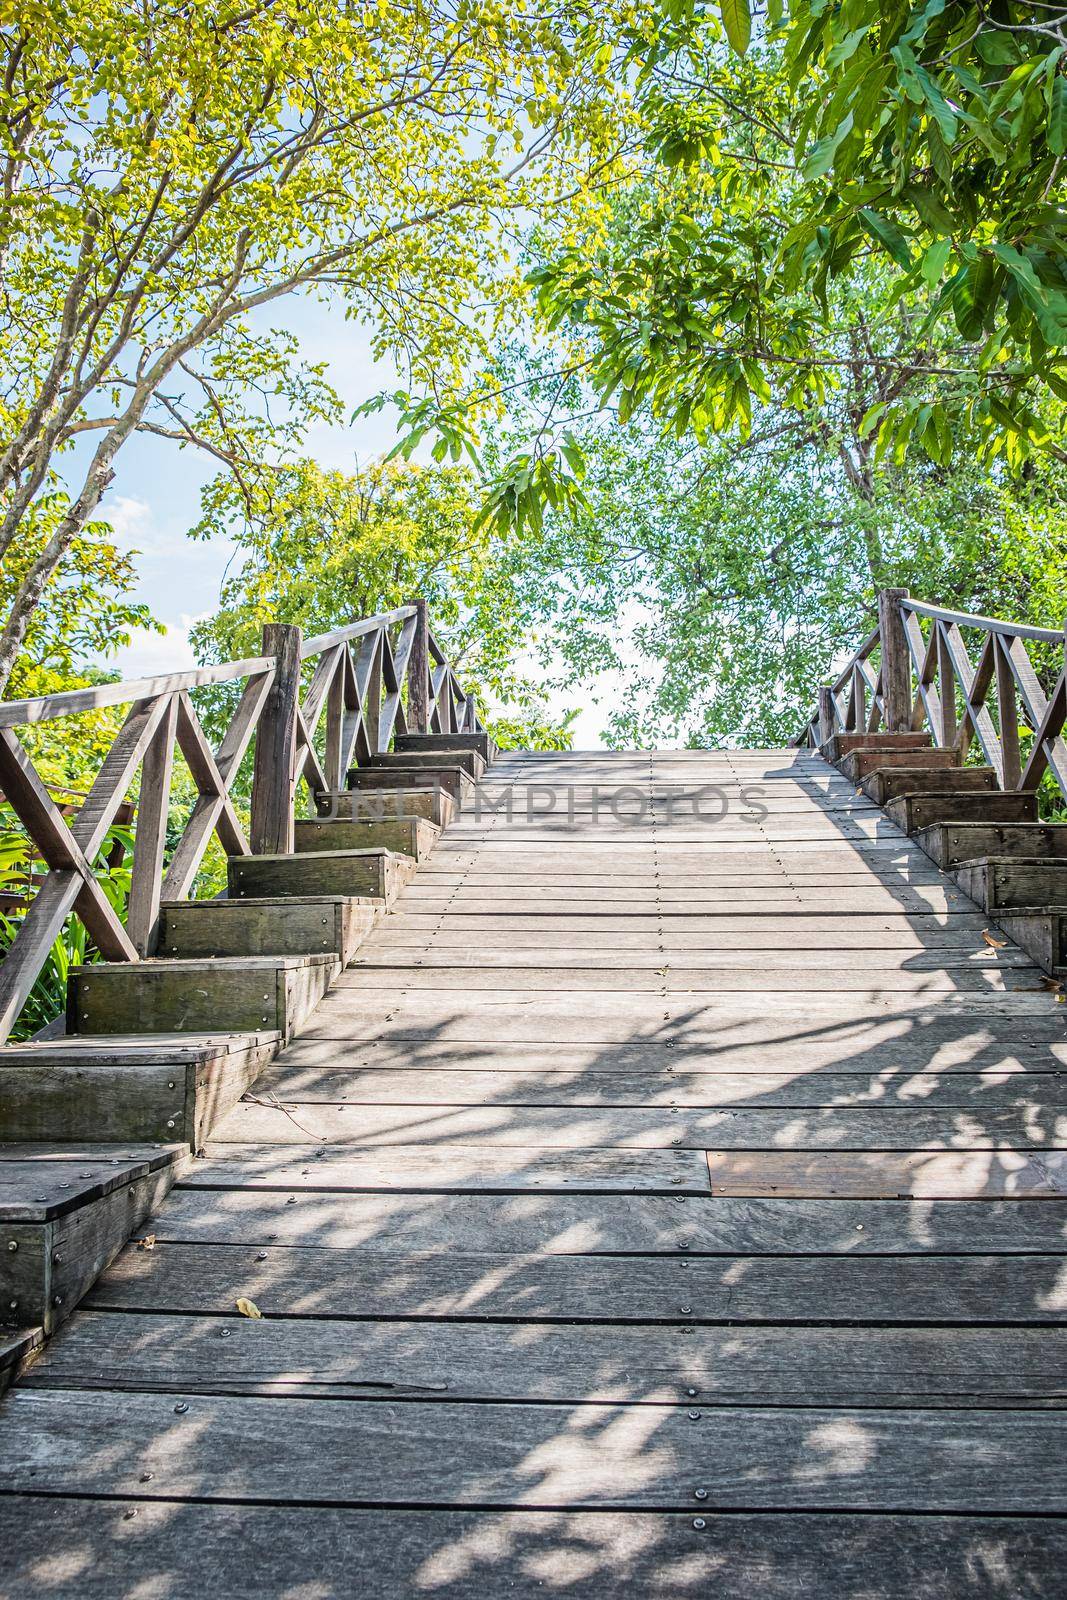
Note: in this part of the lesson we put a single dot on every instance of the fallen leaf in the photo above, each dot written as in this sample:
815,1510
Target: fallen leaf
994,944
147,1243
248,1308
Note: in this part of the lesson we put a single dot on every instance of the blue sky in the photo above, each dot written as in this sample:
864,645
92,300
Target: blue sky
154,500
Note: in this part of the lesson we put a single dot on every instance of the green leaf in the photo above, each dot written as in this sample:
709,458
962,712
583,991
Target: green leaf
888,234
1057,117
737,22
935,260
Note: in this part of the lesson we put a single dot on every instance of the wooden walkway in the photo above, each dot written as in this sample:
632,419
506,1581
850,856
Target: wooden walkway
660,1207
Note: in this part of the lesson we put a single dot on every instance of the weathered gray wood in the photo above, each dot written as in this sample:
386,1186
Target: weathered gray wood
858,763
896,662
949,843
378,805
456,783
595,1085
418,709
462,1281
66,1222
567,1224
153,804
432,761
73,701
889,782
125,1098
413,740
916,811
935,1175
1043,935
240,994
528,1361
90,1552
289,926
721,980
469,1167
997,884
495,1454
274,777
410,836
500,1126
377,874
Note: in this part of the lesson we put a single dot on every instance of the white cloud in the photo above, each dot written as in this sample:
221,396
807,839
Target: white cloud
130,518
150,653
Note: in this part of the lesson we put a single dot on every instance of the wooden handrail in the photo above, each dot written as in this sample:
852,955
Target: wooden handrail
987,702
356,684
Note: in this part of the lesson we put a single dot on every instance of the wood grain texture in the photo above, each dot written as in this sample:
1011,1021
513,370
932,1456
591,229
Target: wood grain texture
378,1452
64,1549
331,1278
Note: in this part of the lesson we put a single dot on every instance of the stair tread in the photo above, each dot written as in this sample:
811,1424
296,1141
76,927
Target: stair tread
42,1181
160,963
104,1046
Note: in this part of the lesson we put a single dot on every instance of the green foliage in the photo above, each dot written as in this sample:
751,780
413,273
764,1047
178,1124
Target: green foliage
324,548
20,875
170,172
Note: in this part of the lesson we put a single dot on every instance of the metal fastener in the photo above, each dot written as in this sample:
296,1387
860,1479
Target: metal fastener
128,1516
12,1244
57,1299
694,1416
690,1392
146,1477
181,1408
698,1522
686,1310
701,1494
170,1086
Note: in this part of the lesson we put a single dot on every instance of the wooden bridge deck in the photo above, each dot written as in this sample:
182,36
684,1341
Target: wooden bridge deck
655,1208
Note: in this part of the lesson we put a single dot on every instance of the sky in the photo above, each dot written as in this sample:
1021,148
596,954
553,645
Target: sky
155,499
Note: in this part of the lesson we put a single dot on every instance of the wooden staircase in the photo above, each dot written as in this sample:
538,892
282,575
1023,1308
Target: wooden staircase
158,1052
99,1119
1011,865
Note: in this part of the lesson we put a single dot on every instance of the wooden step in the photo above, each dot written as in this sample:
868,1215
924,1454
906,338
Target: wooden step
65,1212
379,874
224,994
386,805
314,925
842,744
443,743
858,763
888,782
408,836
469,761
949,843
913,812
1014,883
16,1344
1042,934
168,1089
456,783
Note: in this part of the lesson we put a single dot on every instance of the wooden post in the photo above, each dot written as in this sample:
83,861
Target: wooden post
274,774
896,663
142,913
1010,760
826,714
418,717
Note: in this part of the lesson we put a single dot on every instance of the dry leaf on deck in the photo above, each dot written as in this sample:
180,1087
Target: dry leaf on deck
147,1243
248,1308
994,944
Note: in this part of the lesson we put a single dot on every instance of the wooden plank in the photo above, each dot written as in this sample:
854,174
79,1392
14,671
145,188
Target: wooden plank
95,1550
470,1167
495,1126
469,1282
409,1221
947,1175
988,979
274,778
1030,1095
292,1449
597,1362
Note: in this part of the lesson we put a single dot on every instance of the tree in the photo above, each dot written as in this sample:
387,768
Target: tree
720,583
170,172
322,548
809,170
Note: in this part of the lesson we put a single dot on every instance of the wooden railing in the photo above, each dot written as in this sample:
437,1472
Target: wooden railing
968,680
356,684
